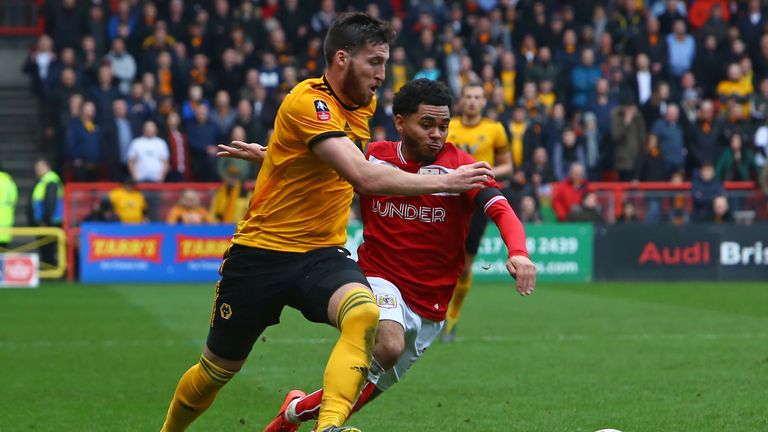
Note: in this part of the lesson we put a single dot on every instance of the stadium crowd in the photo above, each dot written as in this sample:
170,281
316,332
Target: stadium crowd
626,90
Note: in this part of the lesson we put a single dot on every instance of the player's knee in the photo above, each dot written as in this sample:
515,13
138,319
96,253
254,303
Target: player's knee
362,311
388,352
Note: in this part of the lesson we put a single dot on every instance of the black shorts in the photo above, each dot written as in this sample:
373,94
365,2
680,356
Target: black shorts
256,284
476,231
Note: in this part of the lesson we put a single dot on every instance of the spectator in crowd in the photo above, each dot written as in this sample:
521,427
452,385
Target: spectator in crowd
721,212
734,87
83,145
538,169
188,210
758,106
628,213
588,210
704,188
129,203
670,136
527,211
203,136
103,94
178,146
644,80
682,49
708,66
677,204
47,206
39,65
703,143
244,168
736,163
148,156
649,166
627,134
656,107
222,114
117,135
102,211
567,152
123,65
9,195
190,105
230,201
584,79
591,139
568,192
524,136
764,179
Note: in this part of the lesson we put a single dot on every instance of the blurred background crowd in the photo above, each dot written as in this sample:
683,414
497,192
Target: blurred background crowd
624,90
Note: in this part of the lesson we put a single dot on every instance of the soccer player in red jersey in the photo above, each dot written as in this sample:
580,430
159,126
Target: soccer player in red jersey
413,249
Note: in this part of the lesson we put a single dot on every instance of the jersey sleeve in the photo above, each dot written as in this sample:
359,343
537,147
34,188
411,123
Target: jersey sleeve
480,196
314,117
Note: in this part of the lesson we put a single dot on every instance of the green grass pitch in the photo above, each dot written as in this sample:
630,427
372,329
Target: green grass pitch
640,357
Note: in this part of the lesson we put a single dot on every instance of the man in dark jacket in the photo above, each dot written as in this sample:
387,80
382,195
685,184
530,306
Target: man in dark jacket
704,189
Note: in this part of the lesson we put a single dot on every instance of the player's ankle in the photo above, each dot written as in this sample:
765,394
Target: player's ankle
290,412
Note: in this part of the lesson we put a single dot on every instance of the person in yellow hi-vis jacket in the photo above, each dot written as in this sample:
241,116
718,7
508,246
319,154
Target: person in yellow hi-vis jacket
9,195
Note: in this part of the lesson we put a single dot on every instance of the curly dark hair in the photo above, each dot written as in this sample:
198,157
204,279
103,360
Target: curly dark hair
354,30
421,91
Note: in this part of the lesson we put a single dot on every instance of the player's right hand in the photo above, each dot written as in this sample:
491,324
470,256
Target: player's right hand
252,152
524,271
468,177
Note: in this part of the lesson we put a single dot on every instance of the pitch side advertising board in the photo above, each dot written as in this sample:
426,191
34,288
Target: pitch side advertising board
152,252
690,252
19,270
175,253
561,252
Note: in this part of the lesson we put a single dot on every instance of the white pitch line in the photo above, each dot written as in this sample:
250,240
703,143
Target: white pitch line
122,343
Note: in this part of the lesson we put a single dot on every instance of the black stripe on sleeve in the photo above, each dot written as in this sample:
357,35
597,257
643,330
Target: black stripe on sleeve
325,135
486,195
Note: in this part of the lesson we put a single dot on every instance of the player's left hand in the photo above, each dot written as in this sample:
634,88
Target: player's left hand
524,271
252,152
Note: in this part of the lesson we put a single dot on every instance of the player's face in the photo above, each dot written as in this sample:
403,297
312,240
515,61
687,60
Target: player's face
424,132
364,73
472,101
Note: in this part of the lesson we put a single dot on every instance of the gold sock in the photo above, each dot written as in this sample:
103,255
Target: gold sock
347,369
195,393
457,301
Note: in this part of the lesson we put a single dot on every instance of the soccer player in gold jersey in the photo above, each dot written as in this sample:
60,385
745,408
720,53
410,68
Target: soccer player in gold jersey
288,248
486,140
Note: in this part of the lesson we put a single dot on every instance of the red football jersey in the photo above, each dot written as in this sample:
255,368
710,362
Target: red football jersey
417,242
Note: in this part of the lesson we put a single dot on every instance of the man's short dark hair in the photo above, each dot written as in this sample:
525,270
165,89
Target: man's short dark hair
421,91
354,30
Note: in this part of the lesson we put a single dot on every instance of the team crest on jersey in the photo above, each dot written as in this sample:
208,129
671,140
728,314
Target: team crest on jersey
322,110
386,301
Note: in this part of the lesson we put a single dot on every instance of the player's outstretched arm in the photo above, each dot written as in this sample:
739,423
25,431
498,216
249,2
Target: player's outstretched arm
374,179
511,229
252,152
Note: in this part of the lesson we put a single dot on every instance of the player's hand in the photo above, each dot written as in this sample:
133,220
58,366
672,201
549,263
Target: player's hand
468,177
524,271
252,152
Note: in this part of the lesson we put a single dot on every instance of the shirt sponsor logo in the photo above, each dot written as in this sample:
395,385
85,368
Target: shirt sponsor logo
409,211
322,110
